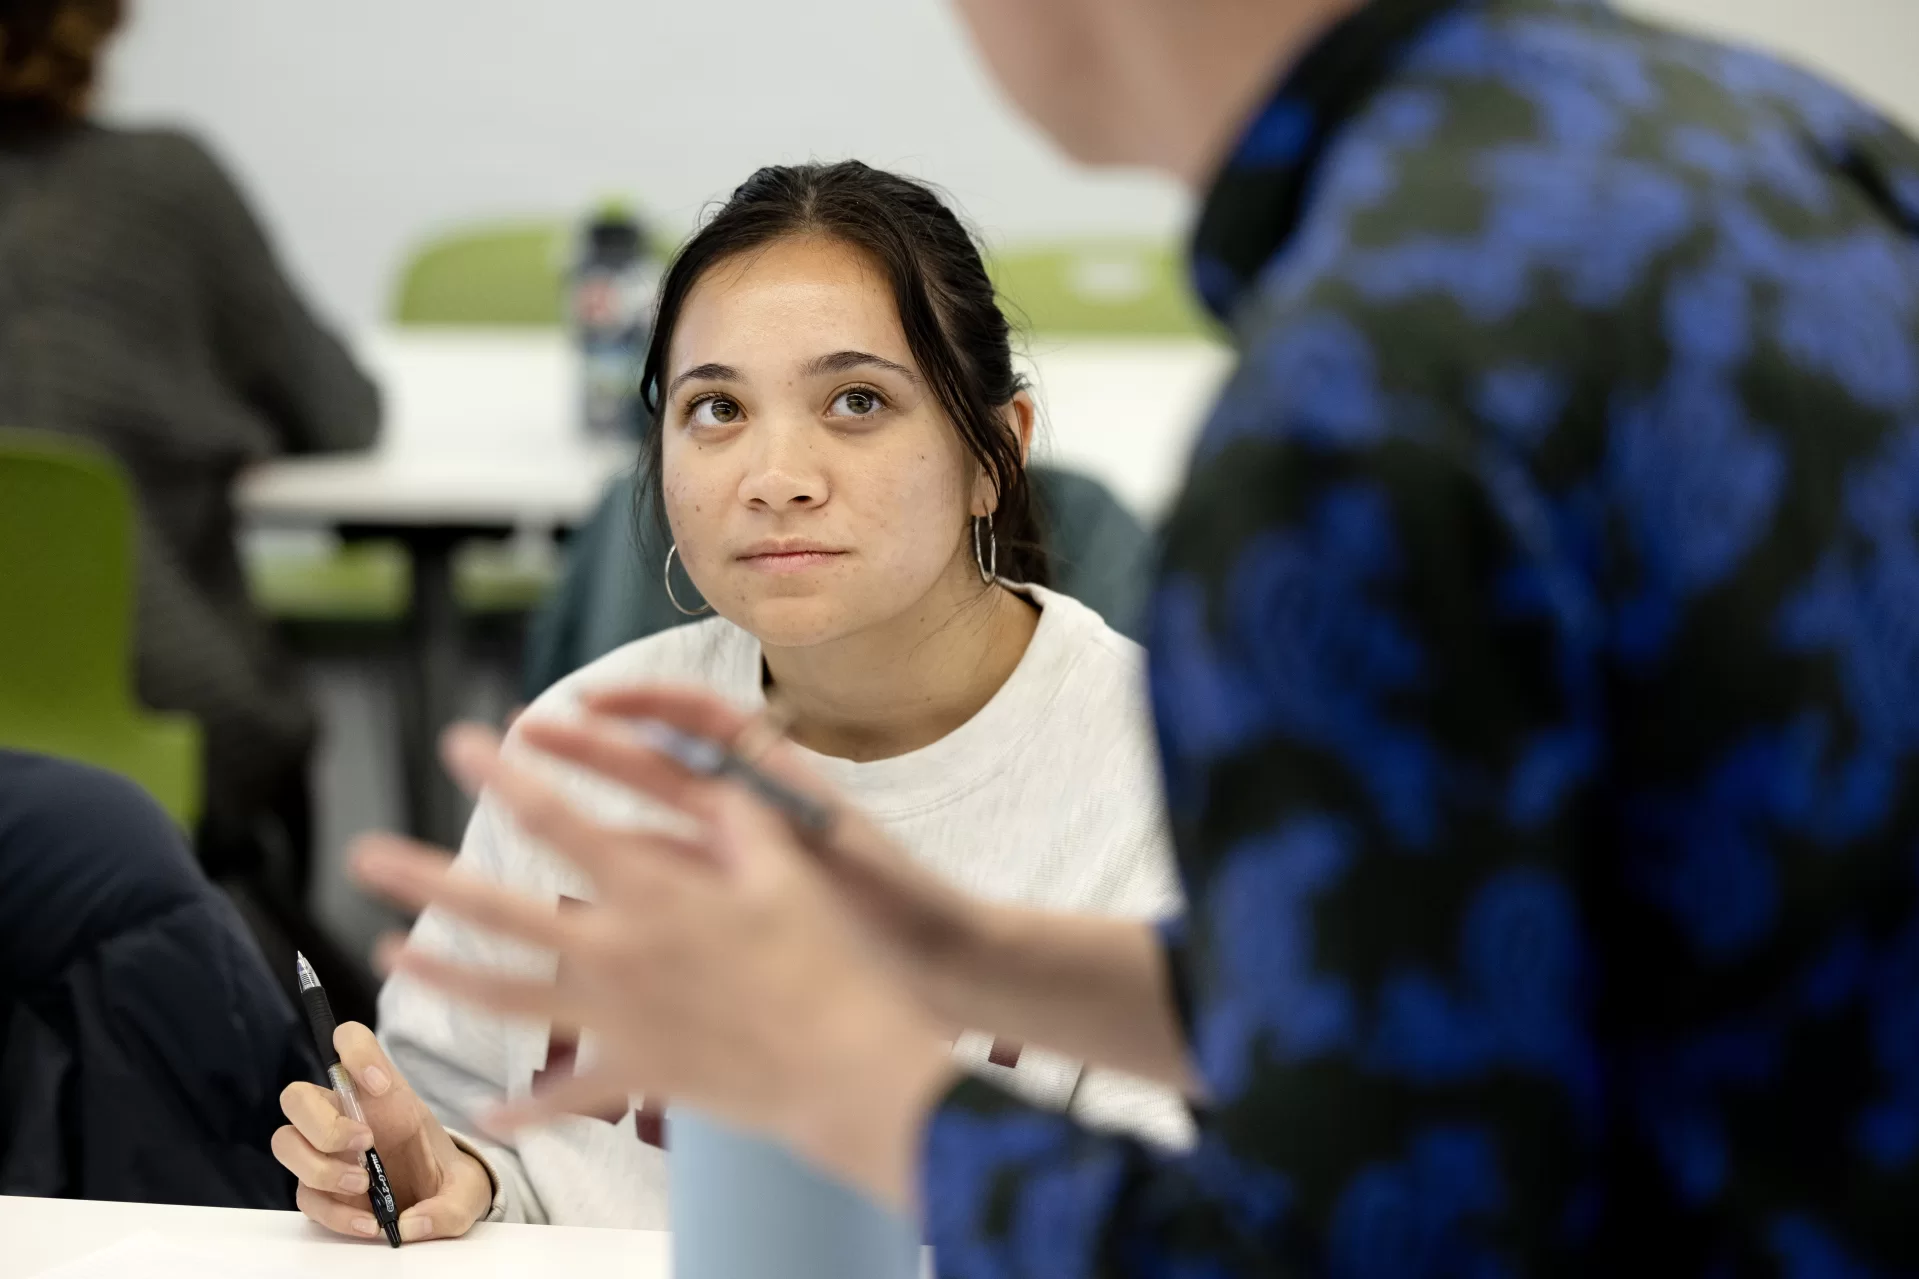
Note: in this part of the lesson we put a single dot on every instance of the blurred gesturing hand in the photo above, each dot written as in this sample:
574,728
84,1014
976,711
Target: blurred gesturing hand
925,928
725,971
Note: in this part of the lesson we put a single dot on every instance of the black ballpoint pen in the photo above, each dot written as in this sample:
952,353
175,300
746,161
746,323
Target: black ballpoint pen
320,1018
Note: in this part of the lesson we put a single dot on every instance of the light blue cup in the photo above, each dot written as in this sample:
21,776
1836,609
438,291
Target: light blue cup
743,1208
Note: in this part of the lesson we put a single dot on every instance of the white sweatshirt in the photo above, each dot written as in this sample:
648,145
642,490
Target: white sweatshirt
1049,797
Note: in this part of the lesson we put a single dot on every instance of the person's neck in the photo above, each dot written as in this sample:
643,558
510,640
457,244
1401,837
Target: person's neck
897,687
1204,69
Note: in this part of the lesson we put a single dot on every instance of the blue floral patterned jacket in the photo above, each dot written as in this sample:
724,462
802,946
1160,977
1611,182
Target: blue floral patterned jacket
1536,661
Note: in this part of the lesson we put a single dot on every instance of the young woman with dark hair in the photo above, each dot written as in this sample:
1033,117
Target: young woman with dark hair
838,448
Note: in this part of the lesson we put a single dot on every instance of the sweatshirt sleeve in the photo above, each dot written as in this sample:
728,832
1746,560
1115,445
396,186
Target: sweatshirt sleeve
454,1057
1111,1101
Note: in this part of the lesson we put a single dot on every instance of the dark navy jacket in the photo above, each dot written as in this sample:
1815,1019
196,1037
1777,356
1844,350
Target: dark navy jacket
145,1043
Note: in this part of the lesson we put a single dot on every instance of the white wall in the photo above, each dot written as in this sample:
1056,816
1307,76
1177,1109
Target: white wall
360,125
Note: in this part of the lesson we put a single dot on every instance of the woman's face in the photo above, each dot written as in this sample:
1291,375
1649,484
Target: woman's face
814,485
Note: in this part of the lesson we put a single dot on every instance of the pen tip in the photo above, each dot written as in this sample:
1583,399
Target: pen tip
393,1233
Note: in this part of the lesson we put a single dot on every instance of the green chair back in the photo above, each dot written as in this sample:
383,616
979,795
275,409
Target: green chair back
502,275
1099,288
66,629
514,275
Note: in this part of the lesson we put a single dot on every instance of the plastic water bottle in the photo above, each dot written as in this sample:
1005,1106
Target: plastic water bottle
614,286
744,1208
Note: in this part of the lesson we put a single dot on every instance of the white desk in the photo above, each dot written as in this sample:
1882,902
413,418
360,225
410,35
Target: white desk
478,432
40,1233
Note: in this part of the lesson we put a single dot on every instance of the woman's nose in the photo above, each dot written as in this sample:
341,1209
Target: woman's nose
785,474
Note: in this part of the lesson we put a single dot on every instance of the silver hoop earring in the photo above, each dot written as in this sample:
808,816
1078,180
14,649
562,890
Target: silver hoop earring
667,577
987,556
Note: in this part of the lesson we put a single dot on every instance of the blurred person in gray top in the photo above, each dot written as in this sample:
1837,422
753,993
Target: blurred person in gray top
141,308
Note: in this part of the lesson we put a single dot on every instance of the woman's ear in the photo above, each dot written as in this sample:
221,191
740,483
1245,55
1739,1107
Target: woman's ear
1021,414
985,499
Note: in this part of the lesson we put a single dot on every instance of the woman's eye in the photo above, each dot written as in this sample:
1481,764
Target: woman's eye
858,403
714,411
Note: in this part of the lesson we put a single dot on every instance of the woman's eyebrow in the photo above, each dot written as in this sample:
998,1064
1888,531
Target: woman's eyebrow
846,361
705,373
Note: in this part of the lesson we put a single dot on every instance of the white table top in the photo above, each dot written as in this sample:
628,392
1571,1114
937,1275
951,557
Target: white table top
41,1233
480,430
477,431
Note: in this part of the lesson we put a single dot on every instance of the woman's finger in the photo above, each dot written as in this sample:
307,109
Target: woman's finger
419,880
311,1168
315,1112
437,1218
592,1093
343,1216
487,988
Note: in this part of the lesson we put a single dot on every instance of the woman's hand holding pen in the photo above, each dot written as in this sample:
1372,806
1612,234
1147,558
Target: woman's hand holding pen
727,971
440,1188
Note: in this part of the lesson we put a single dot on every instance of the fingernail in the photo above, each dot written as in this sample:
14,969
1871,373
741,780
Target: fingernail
376,1080
353,1182
366,1226
415,1227
363,1139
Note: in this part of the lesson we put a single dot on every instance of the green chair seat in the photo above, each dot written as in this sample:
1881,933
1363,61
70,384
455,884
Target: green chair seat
66,630
1099,288
493,577
371,582
356,582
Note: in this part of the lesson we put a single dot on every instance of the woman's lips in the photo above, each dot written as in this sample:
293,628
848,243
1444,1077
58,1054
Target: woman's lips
789,561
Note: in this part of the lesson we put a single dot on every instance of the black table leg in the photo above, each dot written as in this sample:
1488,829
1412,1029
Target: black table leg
430,699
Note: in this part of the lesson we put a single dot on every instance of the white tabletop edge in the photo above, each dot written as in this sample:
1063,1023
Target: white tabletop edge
42,1233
